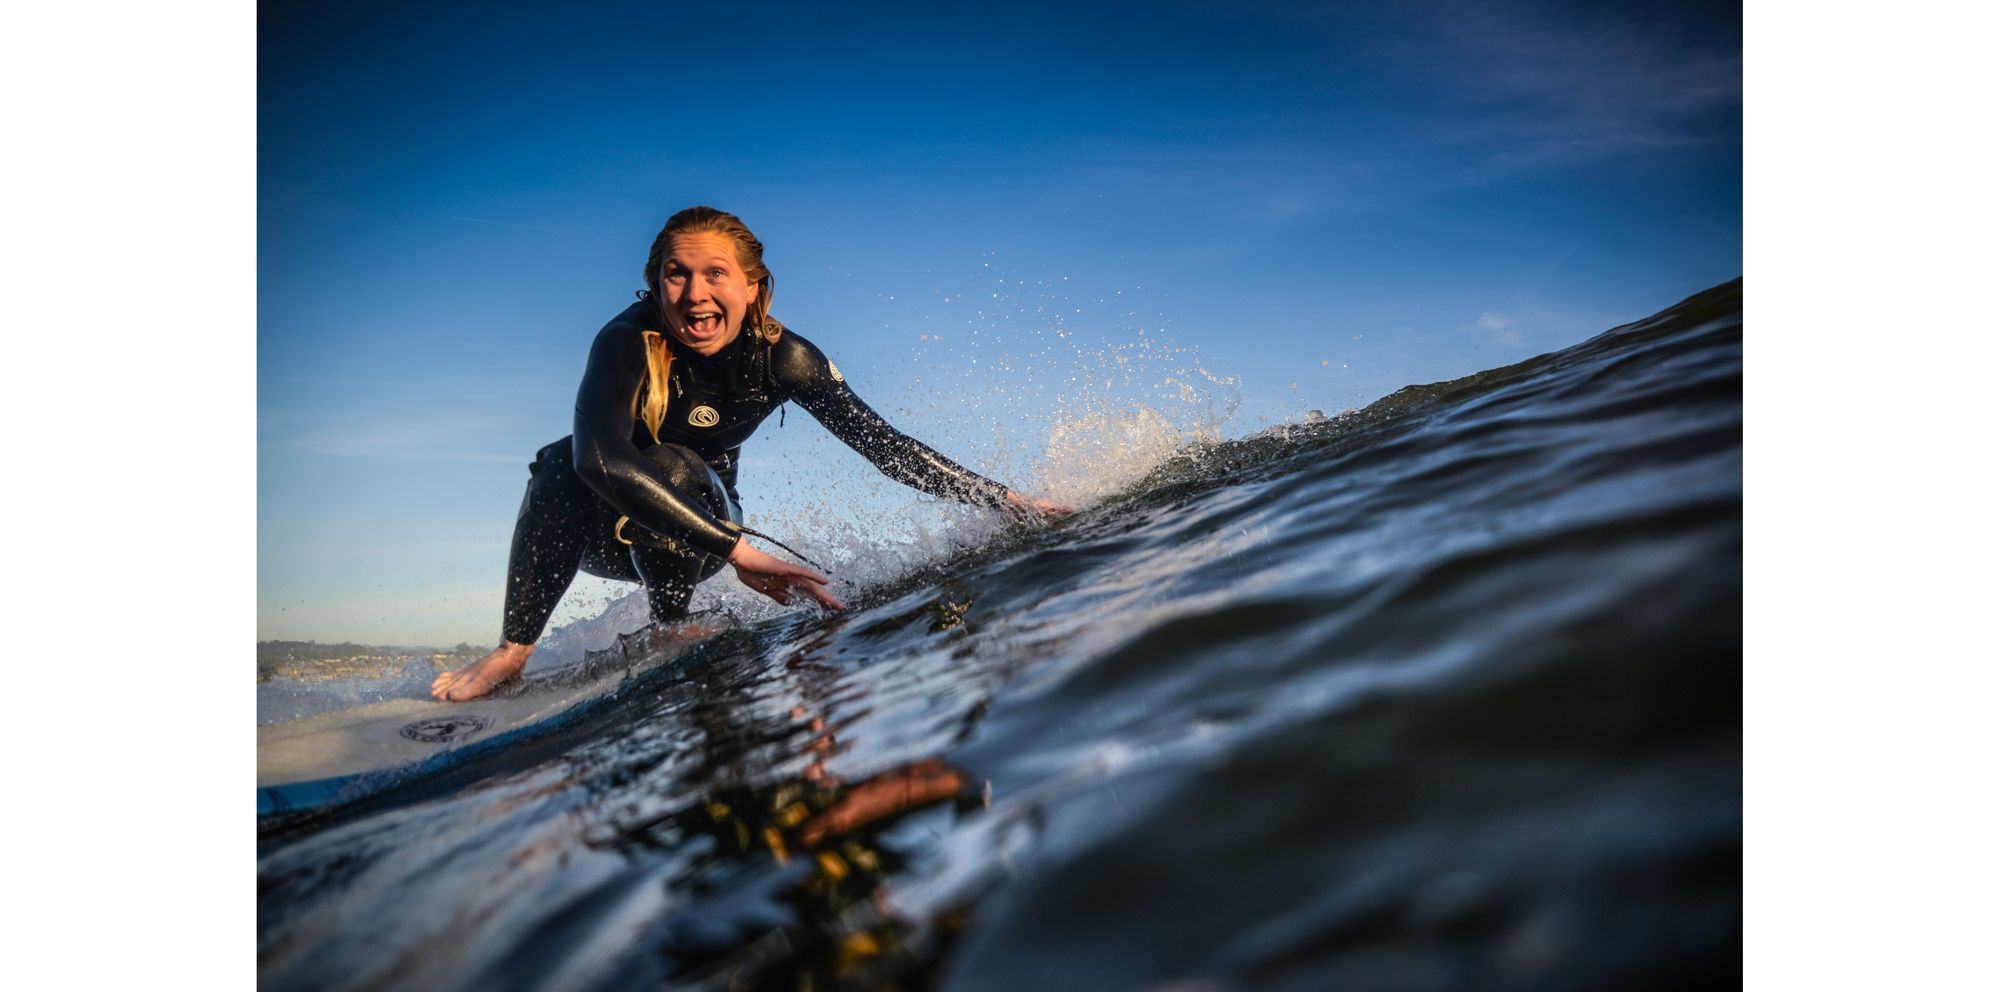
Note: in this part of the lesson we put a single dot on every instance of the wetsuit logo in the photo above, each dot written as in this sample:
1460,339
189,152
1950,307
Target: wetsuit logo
834,370
704,416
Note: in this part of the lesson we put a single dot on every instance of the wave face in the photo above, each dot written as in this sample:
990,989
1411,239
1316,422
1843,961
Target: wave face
1439,694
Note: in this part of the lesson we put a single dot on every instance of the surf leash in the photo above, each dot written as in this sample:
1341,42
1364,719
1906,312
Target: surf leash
733,525
652,540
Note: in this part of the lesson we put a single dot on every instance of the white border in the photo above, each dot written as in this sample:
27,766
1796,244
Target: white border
1871,266
1870,780
131,301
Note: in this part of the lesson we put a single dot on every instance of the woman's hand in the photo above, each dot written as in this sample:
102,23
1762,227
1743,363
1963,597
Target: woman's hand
779,579
1029,508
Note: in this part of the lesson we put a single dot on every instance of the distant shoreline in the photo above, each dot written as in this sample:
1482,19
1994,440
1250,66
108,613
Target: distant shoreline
315,662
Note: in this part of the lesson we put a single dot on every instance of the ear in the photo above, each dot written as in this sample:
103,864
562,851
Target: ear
756,286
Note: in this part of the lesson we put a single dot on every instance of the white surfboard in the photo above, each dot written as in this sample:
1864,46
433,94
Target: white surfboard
333,757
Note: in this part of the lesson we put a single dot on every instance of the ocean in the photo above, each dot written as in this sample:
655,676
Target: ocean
1442,693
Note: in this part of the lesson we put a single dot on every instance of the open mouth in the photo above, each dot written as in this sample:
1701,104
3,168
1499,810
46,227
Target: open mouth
703,323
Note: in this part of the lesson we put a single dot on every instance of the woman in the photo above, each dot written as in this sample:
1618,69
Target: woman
645,489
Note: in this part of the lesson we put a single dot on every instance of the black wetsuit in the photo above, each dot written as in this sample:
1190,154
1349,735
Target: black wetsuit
683,488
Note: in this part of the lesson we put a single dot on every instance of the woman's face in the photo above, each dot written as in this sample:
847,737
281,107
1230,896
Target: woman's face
707,293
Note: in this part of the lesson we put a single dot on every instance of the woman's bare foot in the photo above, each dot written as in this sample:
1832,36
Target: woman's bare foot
500,666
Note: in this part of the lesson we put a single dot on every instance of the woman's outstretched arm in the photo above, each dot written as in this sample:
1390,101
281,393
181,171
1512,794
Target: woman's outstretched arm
809,377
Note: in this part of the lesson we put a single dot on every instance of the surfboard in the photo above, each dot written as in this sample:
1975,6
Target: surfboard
346,754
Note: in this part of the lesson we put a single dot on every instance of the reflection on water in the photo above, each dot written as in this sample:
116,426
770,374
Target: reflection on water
821,835
1440,694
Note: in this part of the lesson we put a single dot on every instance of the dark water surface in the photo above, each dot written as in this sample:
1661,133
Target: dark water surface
1439,694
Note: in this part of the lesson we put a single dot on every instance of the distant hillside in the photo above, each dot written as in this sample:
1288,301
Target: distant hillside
313,660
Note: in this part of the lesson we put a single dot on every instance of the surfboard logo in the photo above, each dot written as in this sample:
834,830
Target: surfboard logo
444,729
704,416
834,370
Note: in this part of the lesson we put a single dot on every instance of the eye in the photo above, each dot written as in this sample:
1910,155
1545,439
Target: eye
716,273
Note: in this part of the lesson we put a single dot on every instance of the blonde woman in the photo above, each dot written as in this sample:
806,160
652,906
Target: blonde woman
645,489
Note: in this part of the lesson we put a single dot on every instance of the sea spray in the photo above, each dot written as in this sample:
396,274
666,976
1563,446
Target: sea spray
1098,454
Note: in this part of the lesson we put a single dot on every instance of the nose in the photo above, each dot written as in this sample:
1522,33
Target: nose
696,291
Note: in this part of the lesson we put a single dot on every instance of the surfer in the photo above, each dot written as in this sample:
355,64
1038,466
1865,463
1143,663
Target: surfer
644,490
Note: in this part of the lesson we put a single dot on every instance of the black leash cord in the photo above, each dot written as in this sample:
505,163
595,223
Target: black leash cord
794,552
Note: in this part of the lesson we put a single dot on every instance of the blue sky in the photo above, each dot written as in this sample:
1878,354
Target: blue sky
966,205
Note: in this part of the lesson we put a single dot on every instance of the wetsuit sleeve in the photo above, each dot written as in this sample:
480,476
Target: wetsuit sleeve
612,466
808,377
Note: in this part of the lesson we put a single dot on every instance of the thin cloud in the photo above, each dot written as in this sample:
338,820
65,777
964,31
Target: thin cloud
1500,328
1454,94
1541,87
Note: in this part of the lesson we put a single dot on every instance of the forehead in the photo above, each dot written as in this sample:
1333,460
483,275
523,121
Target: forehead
703,246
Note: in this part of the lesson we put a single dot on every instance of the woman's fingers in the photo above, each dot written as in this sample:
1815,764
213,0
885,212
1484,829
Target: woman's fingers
1030,509
814,585
778,579
825,598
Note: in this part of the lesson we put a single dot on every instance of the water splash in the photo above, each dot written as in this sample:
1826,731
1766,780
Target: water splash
1079,396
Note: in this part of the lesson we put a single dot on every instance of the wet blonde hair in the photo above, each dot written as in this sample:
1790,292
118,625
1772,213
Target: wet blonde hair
651,405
